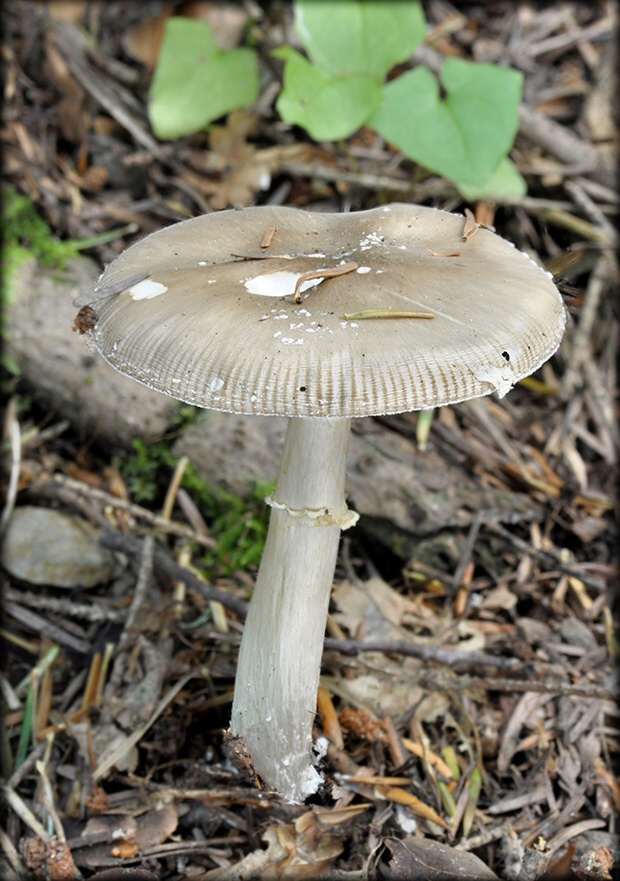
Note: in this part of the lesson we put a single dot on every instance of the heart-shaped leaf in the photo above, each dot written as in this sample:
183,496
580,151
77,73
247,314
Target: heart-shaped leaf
329,108
463,136
505,181
359,37
195,82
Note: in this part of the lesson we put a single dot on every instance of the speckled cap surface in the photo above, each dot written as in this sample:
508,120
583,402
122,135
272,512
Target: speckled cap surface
213,321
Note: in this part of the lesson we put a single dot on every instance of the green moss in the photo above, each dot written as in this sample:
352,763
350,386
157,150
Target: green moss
239,525
27,236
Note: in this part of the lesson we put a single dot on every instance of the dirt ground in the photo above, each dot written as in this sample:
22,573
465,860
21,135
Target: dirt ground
469,680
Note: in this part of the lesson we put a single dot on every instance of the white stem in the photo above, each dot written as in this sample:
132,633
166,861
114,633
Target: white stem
280,657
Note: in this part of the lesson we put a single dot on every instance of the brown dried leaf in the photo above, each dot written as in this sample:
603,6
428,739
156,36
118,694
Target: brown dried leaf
314,844
116,483
337,816
560,867
604,777
352,603
70,109
299,851
331,725
423,859
389,602
526,708
415,805
155,827
226,20
245,169
105,739
589,528
436,761
143,41
71,11
499,598
115,826
375,606
471,227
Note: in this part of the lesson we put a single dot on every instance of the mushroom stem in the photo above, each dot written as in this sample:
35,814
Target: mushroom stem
280,657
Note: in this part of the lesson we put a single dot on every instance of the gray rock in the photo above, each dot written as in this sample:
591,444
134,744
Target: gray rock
59,367
576,632
43,546
232,451
534,632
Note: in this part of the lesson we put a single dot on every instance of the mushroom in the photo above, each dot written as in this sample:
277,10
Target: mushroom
321,318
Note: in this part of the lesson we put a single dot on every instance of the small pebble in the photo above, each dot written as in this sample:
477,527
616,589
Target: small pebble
576,632
43,546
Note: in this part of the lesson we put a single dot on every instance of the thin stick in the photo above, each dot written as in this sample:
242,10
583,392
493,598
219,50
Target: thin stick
471,226
557,139
110,760
463,660
384,313
549,556
452,657
540,686
432,186
580,349
41,625
64,606
578,225
116,99
47,797
59,483
27,765
589,207
173,488
323,273
14,433
129,545
24,813
108,291
143,581
43,664
268,237
465,557
7,846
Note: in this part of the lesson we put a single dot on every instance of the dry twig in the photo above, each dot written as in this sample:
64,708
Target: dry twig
77,488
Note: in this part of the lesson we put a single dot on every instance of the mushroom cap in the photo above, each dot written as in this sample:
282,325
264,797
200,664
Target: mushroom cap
213,321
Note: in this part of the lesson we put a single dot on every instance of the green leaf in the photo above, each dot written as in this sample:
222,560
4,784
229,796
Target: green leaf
195,82
505,181
463,136
347,37
329,108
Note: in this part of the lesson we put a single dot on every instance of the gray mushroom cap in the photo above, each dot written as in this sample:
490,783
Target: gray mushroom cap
213,321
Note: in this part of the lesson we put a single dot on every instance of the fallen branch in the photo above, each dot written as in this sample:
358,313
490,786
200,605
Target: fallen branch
131,546
454,658
68,489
